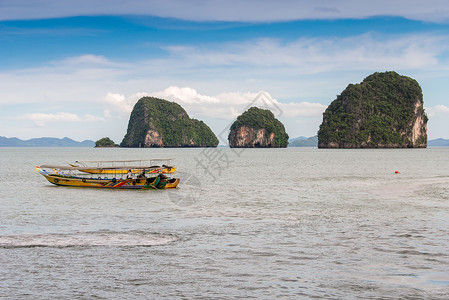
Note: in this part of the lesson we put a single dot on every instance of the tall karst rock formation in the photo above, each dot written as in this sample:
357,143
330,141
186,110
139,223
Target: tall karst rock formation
257,128
157,122
384,111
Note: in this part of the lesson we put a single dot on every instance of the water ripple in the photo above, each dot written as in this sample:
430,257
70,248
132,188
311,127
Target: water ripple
87,239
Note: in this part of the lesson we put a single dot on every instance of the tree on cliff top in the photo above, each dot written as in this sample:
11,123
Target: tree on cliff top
379,112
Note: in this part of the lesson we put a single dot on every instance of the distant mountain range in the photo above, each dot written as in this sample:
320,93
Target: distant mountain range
438,143
313,142
301,141
44,142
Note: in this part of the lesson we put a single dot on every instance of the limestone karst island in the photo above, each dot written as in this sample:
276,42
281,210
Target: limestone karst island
157,122
257,128
384,111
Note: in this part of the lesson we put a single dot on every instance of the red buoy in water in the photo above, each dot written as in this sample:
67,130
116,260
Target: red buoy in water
397,172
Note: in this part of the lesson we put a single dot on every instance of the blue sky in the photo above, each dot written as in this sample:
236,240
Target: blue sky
76,68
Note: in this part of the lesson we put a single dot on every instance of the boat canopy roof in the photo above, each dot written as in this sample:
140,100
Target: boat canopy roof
128,167
123,161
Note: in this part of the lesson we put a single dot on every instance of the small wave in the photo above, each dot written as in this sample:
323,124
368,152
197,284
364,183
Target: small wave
87,239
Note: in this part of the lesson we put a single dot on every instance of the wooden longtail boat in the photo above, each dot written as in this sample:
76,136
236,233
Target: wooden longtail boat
74,176
115,166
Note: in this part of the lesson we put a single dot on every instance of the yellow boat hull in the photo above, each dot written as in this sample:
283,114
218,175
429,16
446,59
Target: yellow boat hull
101,183
61,180
172,185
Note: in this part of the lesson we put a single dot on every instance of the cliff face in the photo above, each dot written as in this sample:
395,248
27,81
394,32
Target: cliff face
248,137
156,122
384,111
257,128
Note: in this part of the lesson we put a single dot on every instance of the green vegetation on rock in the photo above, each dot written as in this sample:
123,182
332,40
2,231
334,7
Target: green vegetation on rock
105,142
157,122
384,111
257,118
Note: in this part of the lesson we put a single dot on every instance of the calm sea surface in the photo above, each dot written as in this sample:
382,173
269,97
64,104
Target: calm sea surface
254,223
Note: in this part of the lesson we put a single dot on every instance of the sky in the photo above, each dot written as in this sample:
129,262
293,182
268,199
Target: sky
76,68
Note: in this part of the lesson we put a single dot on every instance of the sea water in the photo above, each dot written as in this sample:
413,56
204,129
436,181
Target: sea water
291,223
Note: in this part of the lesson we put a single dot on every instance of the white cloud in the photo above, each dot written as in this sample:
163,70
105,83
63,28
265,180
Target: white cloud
303,109
222,106
437,110
88,60
92,118
41,119
120,104
271,64
442,109
184,95
230,105
314,55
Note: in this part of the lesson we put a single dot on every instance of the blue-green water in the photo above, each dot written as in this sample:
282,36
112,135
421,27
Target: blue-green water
251,223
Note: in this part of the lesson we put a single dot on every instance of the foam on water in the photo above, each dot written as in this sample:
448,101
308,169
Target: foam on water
87,239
